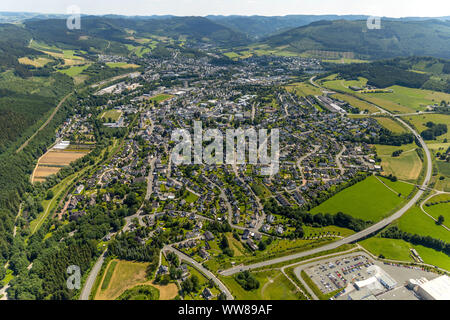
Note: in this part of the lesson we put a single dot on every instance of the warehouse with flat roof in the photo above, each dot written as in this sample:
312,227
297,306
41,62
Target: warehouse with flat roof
436,289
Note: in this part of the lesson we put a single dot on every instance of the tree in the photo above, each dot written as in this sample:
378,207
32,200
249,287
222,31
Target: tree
440,220
50,195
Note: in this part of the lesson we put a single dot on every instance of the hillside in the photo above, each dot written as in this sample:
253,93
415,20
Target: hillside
413,72
395,38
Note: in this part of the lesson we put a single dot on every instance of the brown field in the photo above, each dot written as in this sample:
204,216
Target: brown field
127,275
53,161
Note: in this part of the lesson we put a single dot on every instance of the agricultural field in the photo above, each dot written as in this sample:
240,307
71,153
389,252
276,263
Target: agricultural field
70,57
415,99
400,100
397,249
74,71
417,222
273,286
35,62
369,200
127,275
405,167
122,65
53,161
303,89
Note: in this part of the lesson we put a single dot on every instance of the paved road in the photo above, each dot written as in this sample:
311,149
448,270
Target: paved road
199,267
85,293
360,235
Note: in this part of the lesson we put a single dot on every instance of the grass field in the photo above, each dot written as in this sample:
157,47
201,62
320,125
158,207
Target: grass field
273,286
361,105
109,272
142,292
419,122
439,209
113,114
416,99
369,200
36,62
415,221
122,65
75,70
400,187
127,275
161,98
391,125
396,249
303,89
405,167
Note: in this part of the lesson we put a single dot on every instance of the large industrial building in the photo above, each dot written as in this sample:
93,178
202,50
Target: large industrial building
436,289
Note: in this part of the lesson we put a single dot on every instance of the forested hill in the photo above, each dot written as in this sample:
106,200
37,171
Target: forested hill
395,38
414,72
95,31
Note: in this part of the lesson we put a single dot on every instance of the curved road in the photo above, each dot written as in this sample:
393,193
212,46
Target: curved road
199,267
357,236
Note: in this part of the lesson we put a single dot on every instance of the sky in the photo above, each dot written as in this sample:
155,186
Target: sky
382,8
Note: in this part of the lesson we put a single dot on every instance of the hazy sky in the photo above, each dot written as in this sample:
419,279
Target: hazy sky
390,8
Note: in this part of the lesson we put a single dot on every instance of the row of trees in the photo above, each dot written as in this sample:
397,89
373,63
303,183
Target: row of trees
395,233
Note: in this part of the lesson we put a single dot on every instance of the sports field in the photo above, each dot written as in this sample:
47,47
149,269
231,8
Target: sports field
114,115
369,200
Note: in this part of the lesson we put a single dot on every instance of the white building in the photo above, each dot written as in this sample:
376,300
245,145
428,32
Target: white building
436,289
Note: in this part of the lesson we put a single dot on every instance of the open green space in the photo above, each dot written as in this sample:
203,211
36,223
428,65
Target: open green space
397,249
273,285
369,200
417,222
407,166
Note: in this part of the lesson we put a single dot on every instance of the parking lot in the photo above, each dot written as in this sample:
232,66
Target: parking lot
337,273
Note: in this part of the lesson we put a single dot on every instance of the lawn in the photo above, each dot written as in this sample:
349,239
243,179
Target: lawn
396,249
415,221
405,167
273,286
369,200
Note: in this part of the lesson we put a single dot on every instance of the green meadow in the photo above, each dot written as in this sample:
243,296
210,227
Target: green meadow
396,249
369,200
